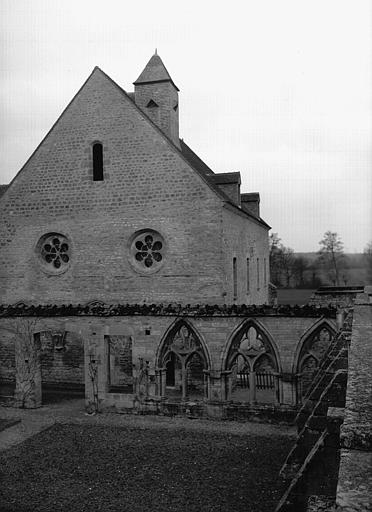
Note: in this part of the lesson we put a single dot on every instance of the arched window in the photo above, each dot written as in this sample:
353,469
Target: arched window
97,162
182,362
312,352
253,365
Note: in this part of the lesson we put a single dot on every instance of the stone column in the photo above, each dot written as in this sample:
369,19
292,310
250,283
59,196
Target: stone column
289,388
277,388
163,377
184,380
216,385
252,387
216,398
226,388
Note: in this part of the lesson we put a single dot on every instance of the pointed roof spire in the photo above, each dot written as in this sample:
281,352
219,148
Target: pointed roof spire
154,71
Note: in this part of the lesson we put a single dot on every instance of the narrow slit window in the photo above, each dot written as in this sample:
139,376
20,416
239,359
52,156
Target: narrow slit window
258,273
265,273
235,279
247,275
97,162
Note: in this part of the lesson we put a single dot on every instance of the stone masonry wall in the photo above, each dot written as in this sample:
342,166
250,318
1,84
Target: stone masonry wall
58,367
147,333
245,241
147,184
354,490
7,357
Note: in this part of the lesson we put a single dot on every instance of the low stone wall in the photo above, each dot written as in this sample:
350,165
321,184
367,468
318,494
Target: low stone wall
354,490
330,465
95,336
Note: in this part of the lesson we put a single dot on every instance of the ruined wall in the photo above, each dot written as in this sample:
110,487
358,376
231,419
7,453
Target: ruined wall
354,489
330,464
59,364
284,334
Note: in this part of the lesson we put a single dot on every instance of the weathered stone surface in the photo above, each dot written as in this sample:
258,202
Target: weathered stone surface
356,431
354,490
148,183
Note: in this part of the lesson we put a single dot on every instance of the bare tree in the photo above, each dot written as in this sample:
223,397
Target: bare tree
331,256
300,266
368,260
281,262
287,264
275,258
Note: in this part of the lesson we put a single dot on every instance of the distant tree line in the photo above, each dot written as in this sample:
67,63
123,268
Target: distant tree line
328,266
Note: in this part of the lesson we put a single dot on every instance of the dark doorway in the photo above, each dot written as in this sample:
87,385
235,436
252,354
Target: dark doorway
170,378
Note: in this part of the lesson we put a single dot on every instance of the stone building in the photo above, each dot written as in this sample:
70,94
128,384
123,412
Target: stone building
112,218
113,206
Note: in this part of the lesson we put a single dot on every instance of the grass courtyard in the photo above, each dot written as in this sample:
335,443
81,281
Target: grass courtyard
86,467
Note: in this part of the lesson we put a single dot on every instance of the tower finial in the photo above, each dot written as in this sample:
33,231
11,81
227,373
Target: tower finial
156,51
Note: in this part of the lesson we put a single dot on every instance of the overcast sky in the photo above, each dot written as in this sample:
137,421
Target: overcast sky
279,90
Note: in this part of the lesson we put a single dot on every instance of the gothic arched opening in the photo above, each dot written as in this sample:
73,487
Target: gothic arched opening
182,365
312,352
252,368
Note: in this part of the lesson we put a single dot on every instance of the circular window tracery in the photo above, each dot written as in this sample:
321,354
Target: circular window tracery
54,252
147,251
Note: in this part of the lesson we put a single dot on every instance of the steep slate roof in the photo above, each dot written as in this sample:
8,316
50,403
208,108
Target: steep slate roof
154,71
194,160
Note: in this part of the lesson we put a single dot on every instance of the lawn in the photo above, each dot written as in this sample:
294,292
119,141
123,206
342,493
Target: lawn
92,468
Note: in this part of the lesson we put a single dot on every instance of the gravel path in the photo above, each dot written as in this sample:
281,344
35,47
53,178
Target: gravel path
72,411
129,463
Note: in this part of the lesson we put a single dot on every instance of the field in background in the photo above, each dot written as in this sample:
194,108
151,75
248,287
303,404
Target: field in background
294,296
354,272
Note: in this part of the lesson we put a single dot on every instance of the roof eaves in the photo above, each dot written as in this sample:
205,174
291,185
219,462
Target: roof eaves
163,80
243,213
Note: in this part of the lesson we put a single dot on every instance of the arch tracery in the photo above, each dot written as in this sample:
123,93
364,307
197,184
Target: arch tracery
182,363
251,365
312,352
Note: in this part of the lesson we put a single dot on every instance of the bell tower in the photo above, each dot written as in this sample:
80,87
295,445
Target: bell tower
156,94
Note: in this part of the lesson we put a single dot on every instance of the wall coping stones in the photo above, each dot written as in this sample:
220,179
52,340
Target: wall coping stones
198,310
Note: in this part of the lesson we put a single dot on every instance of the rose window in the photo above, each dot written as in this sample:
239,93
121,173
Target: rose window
54,250
147,250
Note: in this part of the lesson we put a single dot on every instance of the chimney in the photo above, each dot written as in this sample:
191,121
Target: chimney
229,183
251,203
